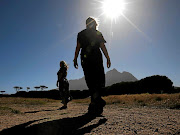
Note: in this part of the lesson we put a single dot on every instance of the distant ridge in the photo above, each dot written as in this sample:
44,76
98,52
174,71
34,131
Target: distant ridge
113,76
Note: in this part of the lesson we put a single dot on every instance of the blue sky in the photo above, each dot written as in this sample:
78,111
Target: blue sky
36,34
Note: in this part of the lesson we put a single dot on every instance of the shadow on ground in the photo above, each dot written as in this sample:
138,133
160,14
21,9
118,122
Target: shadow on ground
65,126
39,111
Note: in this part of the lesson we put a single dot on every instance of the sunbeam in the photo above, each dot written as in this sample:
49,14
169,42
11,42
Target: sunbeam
137,28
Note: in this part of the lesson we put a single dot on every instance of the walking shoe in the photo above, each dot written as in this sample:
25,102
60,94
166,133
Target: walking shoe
95,109
62,108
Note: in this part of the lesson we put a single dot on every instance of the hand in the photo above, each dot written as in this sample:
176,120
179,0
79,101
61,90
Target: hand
75,63
108,63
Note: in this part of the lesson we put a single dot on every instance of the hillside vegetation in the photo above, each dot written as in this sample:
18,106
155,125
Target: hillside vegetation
170,101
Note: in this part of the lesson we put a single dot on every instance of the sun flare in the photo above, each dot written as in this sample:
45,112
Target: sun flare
113,8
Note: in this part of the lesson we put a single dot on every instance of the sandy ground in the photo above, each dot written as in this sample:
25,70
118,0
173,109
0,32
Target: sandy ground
116,120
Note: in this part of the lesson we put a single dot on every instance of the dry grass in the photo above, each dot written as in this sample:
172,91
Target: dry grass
171,101
13,105
9,105
24,101
82,101
7,110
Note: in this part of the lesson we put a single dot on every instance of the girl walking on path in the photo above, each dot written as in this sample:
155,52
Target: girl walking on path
63,84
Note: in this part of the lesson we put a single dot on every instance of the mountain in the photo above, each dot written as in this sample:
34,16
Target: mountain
78,84
112,77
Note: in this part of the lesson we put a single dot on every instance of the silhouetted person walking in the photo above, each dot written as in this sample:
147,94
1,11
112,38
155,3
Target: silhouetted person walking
90,41
63,84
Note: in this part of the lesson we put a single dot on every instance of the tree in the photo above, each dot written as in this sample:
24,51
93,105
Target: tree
28,88
156,84
37,87
43,87
16,88
2,92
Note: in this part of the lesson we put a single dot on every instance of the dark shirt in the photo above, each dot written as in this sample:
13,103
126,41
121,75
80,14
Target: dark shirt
90,40
62,73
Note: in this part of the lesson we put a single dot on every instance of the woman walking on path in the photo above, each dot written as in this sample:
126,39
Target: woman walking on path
90,41
63,84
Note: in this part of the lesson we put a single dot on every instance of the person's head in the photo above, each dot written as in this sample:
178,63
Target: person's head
91,23
63,64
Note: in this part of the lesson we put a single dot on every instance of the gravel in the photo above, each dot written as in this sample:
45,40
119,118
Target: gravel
116,120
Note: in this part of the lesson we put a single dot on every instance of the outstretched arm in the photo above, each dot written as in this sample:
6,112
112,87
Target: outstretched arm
76,55
103,48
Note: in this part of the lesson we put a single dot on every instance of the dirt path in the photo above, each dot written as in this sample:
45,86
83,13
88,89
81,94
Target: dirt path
47,120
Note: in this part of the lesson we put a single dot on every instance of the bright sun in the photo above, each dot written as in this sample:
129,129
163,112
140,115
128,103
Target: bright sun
113,8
